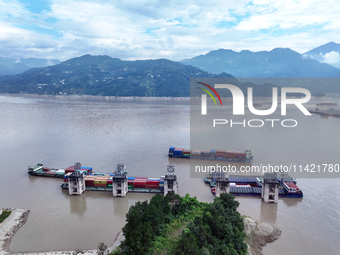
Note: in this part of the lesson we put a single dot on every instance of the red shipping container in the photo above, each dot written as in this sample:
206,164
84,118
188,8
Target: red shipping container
139,183
89,183
109,181
220,153
152,182
153,186
100,185
240,154
230,154
69,171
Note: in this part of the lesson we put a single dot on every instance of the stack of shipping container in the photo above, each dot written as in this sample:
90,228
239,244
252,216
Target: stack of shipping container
218,154
105,181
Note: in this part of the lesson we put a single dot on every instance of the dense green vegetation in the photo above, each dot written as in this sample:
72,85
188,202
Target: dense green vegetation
183,225
102,249
106,76
4,215
103,75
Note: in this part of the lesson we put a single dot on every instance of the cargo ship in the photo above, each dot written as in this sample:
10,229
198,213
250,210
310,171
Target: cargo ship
99,181
252,185
135,184
41,170
94,181
222,155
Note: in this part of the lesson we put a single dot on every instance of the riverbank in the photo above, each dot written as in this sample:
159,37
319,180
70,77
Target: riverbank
18,218
259,234
101,98
10,226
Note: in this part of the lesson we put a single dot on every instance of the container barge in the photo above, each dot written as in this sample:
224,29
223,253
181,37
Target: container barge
99,181
239,185
135,184
222,155
41,170
252,186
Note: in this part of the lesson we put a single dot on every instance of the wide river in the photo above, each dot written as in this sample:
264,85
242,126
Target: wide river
101,133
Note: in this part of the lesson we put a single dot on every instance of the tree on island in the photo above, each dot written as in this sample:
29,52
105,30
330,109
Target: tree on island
183,225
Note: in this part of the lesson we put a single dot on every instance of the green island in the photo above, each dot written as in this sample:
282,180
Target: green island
183,225
4,215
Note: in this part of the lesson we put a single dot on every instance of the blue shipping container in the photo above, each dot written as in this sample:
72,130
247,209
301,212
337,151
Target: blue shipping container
178,152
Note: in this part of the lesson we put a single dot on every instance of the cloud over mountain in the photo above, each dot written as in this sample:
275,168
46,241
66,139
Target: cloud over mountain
143,29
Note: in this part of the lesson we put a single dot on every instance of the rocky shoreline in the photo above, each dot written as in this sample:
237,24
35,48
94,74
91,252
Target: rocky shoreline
259,234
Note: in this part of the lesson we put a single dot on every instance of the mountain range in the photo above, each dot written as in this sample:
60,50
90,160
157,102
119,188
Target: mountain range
328,53
104,75
11,66
278,63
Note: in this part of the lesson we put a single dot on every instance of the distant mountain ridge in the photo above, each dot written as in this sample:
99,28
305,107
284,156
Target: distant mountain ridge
103,75
11,66
328,53
277,63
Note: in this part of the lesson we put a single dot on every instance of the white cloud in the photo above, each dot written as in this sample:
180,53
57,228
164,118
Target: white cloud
12,8
331,57
289,14
17,42
144,29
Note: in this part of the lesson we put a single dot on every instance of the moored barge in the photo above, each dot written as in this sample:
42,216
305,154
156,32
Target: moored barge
252,185
222,155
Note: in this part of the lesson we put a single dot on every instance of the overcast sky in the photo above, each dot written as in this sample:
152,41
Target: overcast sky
154,29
